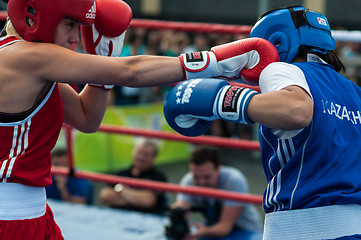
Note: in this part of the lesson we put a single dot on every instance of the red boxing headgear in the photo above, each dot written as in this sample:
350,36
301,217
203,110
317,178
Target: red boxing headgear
46,15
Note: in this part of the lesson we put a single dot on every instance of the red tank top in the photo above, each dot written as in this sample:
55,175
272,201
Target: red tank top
25,144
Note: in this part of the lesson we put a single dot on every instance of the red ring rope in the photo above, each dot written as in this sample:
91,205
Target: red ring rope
3,15
161,186
68,132
256,88
190,26
179,26
207,140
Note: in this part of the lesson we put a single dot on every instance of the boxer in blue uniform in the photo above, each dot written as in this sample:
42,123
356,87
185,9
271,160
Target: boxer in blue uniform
310,127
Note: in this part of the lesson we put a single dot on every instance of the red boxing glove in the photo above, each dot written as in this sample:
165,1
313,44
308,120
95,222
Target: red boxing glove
112,17
243,59
106,36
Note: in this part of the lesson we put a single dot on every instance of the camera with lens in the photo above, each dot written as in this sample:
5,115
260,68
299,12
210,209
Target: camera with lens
178,226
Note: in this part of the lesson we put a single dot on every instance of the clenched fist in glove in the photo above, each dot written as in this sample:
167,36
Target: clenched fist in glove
191,105
243,59
106,36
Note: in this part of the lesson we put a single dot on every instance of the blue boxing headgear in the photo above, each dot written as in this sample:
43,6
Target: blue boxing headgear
294,27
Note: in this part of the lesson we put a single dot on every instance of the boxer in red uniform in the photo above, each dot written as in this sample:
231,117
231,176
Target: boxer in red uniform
36,66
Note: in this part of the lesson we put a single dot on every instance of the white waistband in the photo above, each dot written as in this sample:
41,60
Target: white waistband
19,202
327,222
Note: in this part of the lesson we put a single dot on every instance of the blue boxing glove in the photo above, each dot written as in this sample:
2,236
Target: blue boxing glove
192,105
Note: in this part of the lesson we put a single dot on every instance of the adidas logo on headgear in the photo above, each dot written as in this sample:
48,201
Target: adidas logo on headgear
91,12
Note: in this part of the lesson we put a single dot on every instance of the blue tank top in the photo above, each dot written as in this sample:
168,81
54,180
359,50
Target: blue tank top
321,165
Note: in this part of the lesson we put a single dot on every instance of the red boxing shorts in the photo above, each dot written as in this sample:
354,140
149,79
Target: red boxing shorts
41,228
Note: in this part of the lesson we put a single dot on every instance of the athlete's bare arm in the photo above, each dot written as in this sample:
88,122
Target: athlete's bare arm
54,63
84,111
31,66
286,109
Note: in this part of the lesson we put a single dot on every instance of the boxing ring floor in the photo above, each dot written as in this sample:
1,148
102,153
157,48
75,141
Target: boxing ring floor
89,222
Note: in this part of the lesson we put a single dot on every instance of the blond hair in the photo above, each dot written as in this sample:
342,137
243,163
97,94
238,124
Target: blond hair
10,29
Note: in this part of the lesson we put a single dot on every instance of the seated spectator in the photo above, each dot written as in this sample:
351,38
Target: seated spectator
67,188
126,197
225,219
